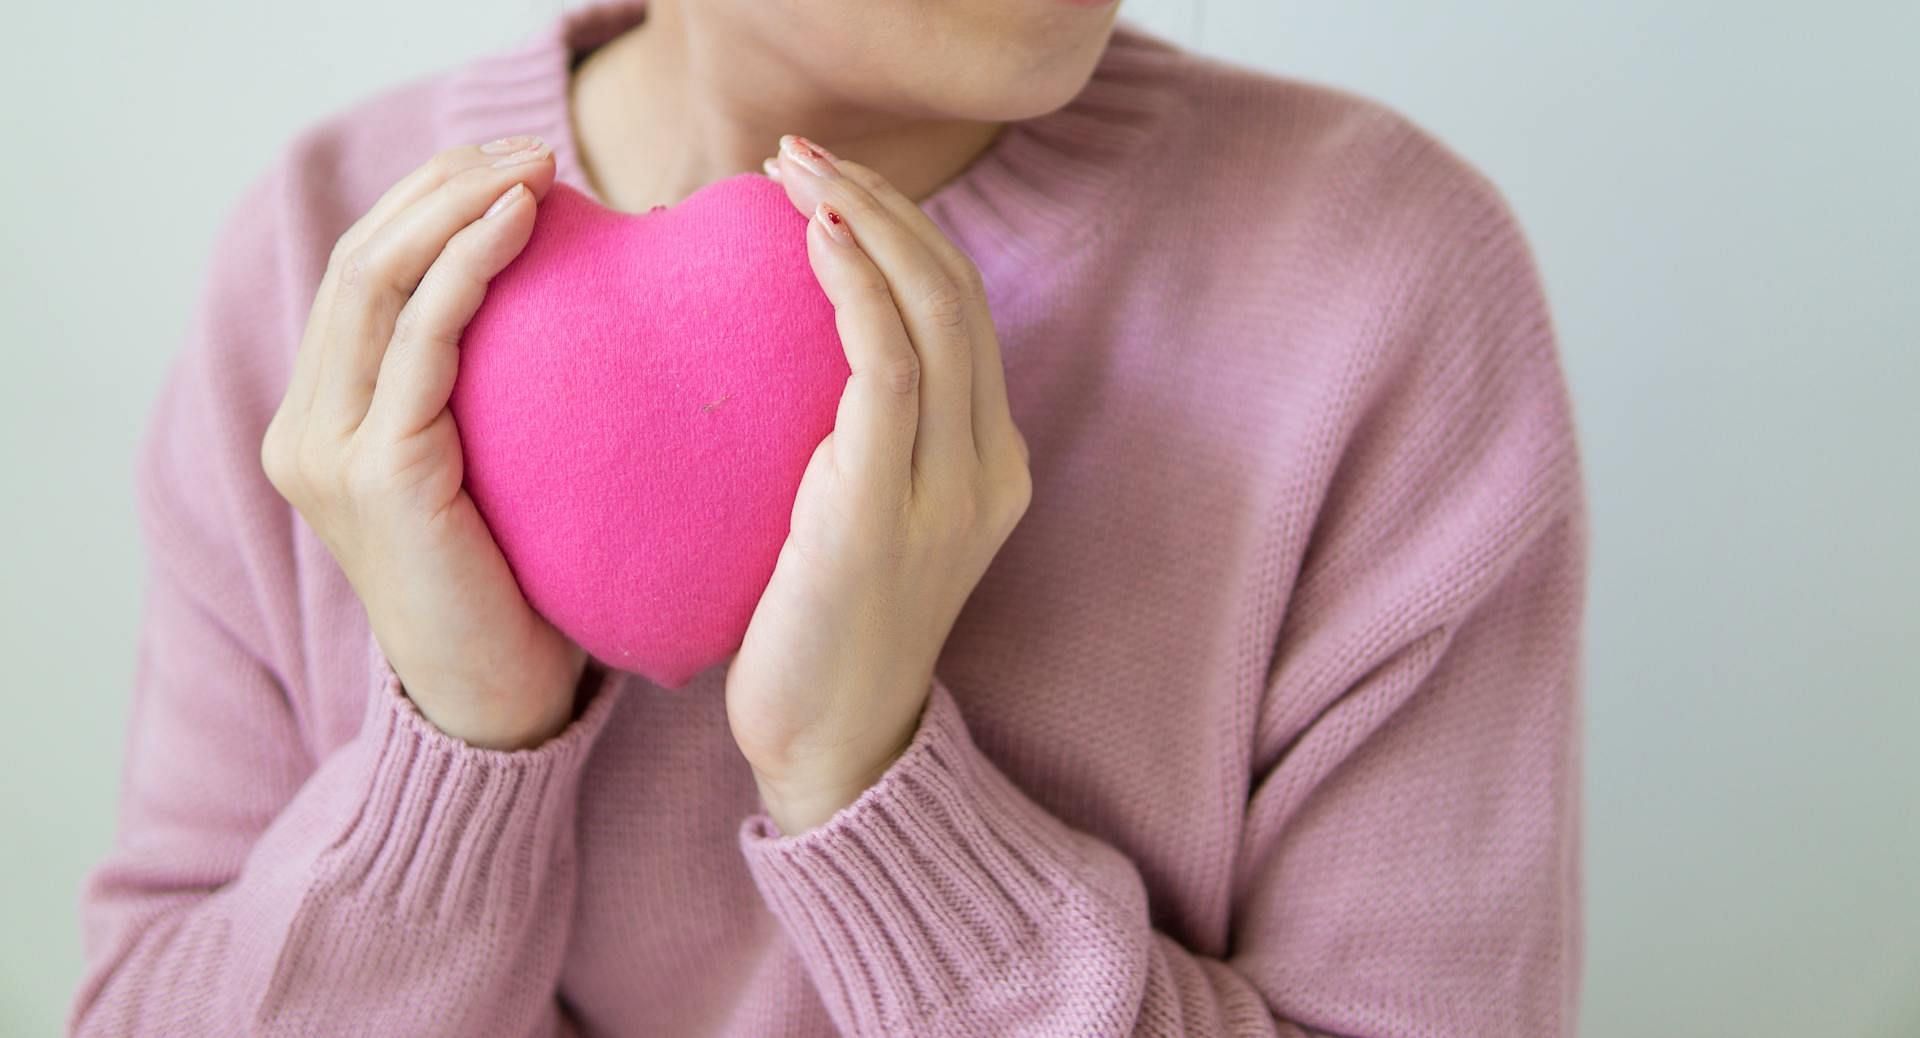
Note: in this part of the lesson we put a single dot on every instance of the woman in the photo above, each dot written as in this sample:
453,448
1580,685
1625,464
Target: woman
1180,631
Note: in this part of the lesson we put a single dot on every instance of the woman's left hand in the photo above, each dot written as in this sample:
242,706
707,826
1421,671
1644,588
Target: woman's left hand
901,507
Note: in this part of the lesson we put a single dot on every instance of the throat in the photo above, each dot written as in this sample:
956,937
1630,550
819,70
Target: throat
655,117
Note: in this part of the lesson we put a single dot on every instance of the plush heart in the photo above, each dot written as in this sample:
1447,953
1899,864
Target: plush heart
637,400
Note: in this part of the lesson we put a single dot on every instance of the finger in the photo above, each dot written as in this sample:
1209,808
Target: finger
375,279
931,305
874,429
409,189
992,414
306,361
418,371
436,171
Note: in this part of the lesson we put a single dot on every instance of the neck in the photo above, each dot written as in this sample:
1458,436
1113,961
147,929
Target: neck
679,101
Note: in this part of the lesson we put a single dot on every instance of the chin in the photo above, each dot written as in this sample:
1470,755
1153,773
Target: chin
1005,82
1026,94
978,60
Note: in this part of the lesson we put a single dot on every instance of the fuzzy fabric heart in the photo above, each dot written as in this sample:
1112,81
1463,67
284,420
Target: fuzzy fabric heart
637,400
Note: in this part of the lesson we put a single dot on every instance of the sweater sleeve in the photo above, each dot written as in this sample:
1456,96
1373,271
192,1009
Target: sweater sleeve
401,883
1407,860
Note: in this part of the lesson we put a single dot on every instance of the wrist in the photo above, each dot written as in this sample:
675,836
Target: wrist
518,720
794,815
799,803
495,731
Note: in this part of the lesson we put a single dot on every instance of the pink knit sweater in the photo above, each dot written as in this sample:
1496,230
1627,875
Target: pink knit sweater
1266,720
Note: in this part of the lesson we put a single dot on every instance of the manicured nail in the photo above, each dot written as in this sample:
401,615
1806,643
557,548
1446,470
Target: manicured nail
835,224
810,156
771,167
511,196
509,145
536,150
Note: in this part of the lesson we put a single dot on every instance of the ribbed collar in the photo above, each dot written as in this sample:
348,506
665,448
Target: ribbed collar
1037,188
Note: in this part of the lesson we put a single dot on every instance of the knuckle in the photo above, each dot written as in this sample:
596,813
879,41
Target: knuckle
860,174
448,161
481,179
857,205
941,300
869,286
968,277
460,264
416,322
353,270
413,331
366,278
1019,495
273,456
343,246
902,373
406,324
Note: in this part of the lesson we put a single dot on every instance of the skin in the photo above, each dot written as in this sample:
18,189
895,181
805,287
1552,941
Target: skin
363,446
901,508
899,512
702,89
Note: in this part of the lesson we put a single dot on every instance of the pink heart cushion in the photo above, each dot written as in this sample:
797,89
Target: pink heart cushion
637,400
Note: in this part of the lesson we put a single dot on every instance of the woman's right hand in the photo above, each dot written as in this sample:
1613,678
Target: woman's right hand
364,447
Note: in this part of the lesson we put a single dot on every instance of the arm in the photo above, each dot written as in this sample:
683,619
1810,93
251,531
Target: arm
1408,859
1407,865
403,883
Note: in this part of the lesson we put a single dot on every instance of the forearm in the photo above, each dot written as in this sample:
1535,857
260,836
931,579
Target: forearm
414,885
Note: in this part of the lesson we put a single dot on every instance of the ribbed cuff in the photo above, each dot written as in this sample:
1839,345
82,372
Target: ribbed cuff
914,899
450,828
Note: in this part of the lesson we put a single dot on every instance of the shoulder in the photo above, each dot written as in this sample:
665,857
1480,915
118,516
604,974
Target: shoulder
1279,155
1389,276
1351,243
1344,196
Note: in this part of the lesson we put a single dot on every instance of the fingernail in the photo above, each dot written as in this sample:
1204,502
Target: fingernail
771,167
508,145
809,155
511,196
834,223
538,149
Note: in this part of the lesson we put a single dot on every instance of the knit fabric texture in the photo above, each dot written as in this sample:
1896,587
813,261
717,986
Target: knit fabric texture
1264,721
638,397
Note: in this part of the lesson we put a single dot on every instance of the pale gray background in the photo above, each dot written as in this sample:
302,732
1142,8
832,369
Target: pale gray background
1721,196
